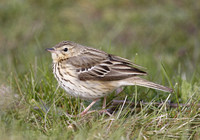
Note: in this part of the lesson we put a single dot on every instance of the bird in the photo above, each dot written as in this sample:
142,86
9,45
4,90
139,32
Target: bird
91,74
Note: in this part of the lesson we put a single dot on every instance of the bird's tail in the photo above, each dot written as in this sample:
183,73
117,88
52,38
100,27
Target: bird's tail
145,83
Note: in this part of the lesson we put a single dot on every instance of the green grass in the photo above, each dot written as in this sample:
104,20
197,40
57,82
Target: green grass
161,36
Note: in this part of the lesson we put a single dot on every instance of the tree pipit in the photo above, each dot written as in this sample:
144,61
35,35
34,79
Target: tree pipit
90,73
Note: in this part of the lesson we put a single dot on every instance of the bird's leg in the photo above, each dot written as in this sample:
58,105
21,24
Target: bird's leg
104,102
88,107
104,107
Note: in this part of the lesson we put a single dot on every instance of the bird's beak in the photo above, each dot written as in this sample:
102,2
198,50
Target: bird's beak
50,50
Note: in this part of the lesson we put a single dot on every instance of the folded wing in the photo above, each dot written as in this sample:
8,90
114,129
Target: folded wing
97,65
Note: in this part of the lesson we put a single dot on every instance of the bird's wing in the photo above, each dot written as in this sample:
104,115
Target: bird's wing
98,65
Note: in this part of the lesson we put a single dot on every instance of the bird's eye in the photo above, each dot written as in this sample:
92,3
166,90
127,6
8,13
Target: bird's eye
65,49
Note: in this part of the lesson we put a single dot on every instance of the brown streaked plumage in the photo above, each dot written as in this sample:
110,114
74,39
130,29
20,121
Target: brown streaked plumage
89,73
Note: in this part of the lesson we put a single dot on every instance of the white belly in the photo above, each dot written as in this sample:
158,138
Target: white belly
74,87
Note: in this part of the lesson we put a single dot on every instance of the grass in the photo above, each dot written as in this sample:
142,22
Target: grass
161,36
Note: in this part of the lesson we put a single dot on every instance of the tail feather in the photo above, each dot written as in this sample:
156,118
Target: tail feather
145,83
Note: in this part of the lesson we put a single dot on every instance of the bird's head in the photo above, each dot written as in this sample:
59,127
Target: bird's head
65,50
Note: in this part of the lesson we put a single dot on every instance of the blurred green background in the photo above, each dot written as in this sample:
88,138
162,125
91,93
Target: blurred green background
155,34
150,33
157,31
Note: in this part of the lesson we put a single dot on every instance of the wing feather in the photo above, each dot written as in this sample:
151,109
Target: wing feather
97,65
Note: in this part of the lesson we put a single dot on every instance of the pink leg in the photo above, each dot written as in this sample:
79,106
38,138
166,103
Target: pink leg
104,102
104,107
86,110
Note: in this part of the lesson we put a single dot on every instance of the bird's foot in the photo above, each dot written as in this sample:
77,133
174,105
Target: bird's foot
105,111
